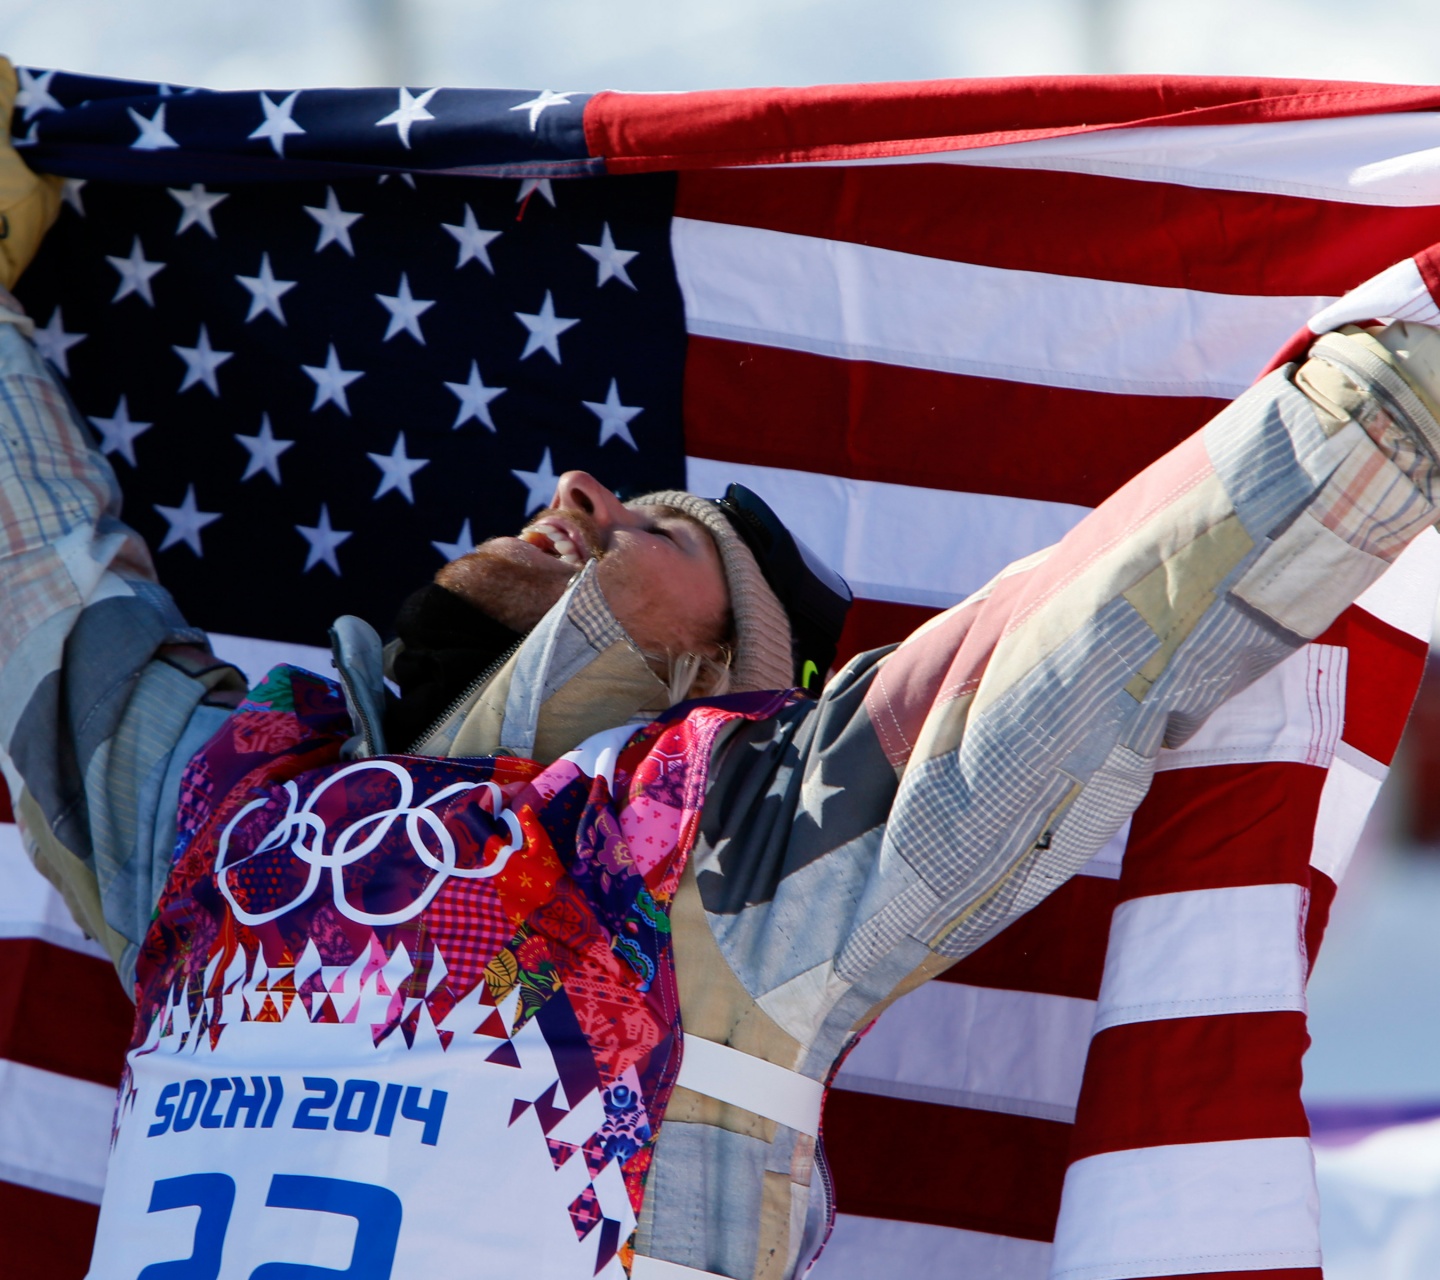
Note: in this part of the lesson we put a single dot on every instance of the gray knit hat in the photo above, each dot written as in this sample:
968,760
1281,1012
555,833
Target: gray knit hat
762,630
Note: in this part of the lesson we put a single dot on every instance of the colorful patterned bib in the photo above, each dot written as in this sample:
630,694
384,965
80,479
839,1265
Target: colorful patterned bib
405,1016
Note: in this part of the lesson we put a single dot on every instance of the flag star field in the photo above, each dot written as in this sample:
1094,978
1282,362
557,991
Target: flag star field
400,362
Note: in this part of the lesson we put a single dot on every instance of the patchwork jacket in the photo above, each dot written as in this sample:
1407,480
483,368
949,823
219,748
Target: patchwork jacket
846,848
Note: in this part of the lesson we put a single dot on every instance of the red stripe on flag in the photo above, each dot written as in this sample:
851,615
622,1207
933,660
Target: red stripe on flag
62,1011
1317,917
1224,825
45,1235
638,132
872,421
1384,672
1056,948
948,1166
1428,262
1285,1273
873,624
1220,1078
1073,224
7,813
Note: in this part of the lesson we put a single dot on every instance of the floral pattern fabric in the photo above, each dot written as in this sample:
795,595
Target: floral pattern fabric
441,897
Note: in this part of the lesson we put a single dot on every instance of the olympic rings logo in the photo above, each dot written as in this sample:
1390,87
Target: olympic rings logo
308,835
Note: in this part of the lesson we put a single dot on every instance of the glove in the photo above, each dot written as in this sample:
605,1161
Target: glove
29,203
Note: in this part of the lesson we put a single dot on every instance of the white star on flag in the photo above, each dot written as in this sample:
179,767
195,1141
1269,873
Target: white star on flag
152,132
334,222
201,361
32,136
70,193
266,291
195,205
408,112
323,540
462,546
264,450
35,95
405,311
545,329
186,521
814,791
611,261
53,342
396,468
475,399
546,99
331,381
474,241
615,418
118,434
540,482
135,273
277,123
542,185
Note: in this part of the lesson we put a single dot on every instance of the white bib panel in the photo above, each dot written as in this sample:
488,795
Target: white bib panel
295,1146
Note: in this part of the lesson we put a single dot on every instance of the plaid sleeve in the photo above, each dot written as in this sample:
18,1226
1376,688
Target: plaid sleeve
852,848
104,689
940,790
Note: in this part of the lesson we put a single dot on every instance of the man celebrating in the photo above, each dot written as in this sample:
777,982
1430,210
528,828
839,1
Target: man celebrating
539,969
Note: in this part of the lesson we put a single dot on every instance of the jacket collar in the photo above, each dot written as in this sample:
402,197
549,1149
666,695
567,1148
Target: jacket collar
576,673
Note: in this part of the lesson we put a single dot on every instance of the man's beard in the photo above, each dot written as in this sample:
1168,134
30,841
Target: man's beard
511,582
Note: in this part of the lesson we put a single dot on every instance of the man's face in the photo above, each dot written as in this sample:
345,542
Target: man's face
659,569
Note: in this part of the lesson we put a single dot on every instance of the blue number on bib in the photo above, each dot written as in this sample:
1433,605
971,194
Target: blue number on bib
214,1193
377,1213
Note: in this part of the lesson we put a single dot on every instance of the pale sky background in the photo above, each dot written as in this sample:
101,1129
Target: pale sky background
682,44
1375,1000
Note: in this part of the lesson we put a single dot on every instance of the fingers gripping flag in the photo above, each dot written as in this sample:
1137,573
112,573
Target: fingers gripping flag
330,339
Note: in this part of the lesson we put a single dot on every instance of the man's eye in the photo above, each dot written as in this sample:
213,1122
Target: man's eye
662,532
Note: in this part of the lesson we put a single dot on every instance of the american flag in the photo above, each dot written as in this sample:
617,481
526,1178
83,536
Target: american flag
330,338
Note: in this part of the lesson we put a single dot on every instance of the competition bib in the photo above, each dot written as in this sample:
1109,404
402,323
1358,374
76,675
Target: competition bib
342,1158
457,1056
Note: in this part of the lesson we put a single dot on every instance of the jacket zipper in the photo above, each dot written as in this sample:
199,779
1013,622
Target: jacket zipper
470,690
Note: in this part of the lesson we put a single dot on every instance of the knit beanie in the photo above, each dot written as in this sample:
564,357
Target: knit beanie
762,630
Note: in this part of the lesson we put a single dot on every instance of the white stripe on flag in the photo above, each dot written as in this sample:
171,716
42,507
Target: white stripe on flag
1205,951
1108,862
1404,596
858,302
30,907
1397,293
898,542
54,1131
863,1248
1389,159
1010,1051
1201,1207
1350,789
1294,712
256,657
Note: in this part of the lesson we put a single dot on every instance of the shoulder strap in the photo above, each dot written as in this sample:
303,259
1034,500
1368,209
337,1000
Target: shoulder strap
742,1080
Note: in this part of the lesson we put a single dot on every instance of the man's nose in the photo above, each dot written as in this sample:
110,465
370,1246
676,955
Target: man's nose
580,491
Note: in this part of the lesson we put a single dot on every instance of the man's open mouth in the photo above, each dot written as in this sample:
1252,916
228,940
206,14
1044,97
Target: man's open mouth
556,538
